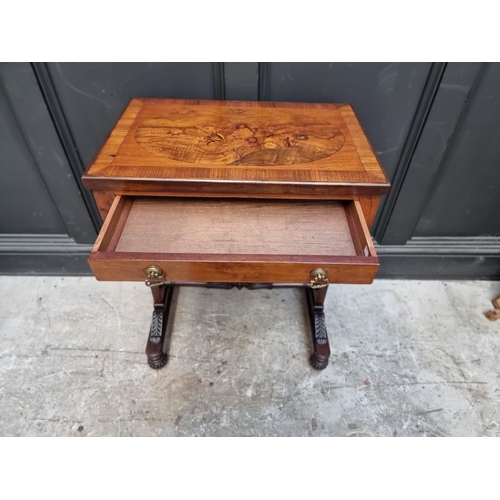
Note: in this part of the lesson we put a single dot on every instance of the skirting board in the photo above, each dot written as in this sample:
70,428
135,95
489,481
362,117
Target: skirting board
42,254
420,258
441,258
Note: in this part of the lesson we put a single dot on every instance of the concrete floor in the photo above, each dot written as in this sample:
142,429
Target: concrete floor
409,359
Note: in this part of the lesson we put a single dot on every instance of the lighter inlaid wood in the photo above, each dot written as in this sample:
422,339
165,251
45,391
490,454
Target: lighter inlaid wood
258,137
181,147
287,149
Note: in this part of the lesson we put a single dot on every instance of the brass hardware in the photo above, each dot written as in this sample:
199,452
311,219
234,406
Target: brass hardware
318,278
155,276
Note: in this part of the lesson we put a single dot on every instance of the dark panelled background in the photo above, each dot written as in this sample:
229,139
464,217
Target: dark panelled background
434,126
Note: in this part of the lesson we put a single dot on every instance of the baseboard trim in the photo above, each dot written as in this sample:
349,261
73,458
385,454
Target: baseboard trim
487,245
420,258
40,243
43,254
441,258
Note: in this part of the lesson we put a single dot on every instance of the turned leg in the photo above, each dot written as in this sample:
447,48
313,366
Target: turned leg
156,346
321,348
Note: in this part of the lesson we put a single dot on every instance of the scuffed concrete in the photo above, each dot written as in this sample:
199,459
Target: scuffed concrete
409,359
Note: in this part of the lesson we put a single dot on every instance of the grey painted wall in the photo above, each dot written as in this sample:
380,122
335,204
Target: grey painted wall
94,95
435,127
465,199
25,203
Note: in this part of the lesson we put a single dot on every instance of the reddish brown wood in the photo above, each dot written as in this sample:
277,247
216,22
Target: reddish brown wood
157,345
110,229
161,325
359,229
123,215
360,271
167,148
110,264
104,200
321,348
369,205
238,148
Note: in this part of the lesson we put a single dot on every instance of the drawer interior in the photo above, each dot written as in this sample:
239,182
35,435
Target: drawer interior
263,227
236,227
189,230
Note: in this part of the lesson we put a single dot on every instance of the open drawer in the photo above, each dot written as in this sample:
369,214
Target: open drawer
220,240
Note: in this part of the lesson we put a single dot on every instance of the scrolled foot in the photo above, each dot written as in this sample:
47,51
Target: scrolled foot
318,362
158,361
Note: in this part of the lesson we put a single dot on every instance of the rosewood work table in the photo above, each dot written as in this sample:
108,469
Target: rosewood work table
236,194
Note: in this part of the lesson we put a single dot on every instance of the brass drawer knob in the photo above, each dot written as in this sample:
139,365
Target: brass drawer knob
154,276
319,278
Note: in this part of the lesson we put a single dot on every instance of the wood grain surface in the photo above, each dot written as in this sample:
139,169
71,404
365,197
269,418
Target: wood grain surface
269,227
116,267
254,137
104,200
290,146
124,248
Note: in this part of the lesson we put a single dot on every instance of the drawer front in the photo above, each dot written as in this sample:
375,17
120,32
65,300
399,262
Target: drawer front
234,241
224,272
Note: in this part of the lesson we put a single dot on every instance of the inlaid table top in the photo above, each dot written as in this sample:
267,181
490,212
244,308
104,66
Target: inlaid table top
202,143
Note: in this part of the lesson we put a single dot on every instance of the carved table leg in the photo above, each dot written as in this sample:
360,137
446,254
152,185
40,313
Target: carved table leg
321,348
155,348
